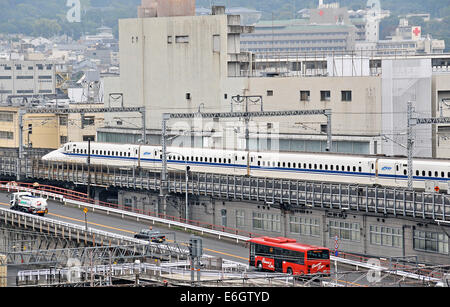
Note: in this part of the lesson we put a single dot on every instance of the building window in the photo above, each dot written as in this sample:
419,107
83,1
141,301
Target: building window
304,226
216,43
266,221
346,95
325,95
45,77
182,39
88,138
63,120
240,218
345,231
431,242
24,77
63,139
88,121
25,92
6,135
169,39
386,236
305,95
6,117
269,93
128,203
223,214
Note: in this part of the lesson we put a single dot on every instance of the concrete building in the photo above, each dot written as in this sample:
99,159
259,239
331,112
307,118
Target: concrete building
201,54
191,63
297,37
26,78
46,131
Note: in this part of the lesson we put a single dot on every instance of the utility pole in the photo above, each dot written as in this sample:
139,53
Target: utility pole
89,170
20,157
411,122
246,99
410,144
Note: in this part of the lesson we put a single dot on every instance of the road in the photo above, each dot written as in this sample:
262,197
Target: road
128,227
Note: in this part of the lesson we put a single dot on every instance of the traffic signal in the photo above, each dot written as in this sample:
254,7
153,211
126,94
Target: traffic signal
195,247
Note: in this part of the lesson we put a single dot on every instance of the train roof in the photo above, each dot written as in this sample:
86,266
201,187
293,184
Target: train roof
315,154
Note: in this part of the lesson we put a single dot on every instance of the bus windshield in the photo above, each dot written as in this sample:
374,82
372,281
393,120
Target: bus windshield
318,254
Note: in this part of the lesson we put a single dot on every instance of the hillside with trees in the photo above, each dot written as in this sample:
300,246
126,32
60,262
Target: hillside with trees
48,17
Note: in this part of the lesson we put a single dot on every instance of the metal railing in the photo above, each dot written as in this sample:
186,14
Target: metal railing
396,202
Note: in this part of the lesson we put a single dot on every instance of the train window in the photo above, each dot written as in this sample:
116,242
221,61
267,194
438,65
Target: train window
396,167
129,154
423,173
354,168
360,169
435,174
372,166
405,172
196,159
294,165
243,158
284,164
315,166
442,174
348,168
229,161
210,159
326,166
220,160
259,163
320,166
74,150
417,173
215,160
289,164
331,167
429,173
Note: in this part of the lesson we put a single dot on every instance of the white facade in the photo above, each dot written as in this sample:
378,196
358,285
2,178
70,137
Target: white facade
403,81
187,64
26,78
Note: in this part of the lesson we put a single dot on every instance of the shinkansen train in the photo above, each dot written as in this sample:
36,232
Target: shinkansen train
324,167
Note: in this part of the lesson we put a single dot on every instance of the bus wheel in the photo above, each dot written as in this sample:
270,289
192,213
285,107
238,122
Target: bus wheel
260,267
289,271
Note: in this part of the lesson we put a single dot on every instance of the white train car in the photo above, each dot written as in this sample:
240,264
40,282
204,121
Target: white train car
324,167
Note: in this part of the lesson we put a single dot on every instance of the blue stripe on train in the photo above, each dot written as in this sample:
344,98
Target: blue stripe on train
210,164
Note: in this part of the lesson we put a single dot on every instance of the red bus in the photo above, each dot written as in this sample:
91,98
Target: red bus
287,256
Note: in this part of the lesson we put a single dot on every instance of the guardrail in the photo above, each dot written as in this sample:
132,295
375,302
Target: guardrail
390,201
81,200
350,259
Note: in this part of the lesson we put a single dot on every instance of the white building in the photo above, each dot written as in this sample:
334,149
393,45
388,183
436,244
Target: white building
26,78
191,63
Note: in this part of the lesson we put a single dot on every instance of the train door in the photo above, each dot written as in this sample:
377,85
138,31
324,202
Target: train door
372,171
398,172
